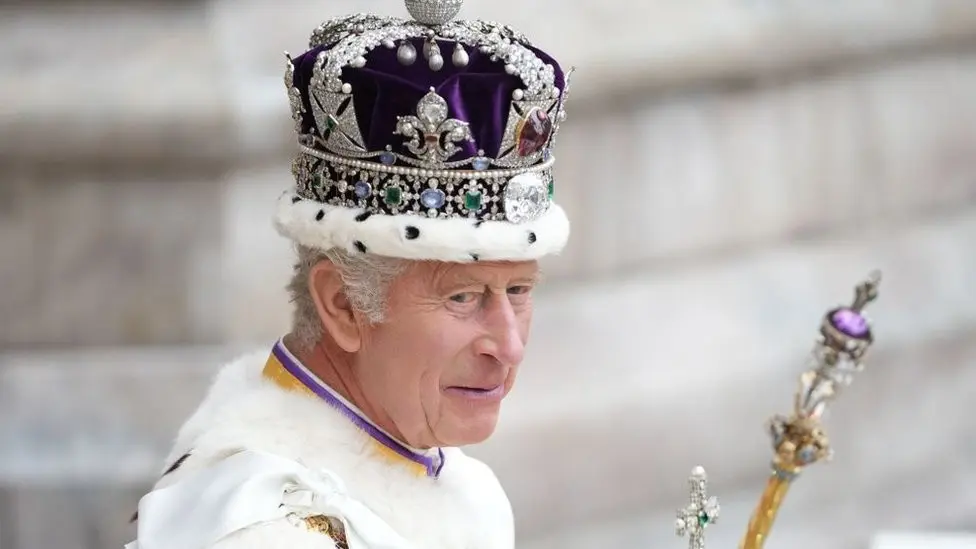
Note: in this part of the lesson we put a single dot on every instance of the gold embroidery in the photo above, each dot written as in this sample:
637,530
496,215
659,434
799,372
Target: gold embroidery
329,526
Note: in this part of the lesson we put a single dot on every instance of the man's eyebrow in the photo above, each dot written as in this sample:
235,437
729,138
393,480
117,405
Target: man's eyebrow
533,278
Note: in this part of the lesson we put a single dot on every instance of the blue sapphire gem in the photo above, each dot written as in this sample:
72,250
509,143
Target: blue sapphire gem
387,158
480,163
432,198
363,189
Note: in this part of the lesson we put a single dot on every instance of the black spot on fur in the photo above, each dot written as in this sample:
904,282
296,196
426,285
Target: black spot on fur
319,216
363,216
296,199
532,238
176,464
360,246
478,223
412,232
475,257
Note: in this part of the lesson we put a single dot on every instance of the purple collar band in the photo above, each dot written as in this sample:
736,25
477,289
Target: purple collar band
432,463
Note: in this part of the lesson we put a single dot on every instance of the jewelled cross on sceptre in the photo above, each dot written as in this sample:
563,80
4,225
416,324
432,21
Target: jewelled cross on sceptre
700,512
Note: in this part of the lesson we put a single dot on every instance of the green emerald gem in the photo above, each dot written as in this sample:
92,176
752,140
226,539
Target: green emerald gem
472,200
703,519
331,122
393,196
552,189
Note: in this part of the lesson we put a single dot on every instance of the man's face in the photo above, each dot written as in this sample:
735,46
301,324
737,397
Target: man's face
449,349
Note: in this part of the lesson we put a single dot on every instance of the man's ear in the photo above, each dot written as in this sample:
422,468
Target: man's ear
334,309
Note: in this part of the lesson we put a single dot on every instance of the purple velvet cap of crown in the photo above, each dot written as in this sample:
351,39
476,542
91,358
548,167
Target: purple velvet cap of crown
479,93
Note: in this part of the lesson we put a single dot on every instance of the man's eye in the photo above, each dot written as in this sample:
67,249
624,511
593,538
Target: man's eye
519,290
466,297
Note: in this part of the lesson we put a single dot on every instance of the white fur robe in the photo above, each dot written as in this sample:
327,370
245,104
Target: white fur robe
463,508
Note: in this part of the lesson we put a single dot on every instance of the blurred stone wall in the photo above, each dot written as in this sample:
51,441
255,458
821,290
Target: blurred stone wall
729,175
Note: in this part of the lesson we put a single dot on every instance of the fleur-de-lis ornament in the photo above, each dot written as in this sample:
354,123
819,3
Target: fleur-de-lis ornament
432,134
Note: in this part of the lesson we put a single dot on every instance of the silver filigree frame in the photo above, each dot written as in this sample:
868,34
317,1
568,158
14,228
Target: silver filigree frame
335,115
294,94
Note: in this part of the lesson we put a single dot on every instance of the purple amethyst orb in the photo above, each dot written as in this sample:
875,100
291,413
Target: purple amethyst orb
850,323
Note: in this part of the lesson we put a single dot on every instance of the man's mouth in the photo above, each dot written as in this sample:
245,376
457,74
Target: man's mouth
481,393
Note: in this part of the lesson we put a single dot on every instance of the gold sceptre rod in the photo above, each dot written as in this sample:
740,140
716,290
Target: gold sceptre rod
799,440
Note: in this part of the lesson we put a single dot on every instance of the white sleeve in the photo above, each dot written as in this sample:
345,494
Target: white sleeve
254,498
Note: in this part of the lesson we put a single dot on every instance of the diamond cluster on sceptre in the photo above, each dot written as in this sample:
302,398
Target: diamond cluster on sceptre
701,511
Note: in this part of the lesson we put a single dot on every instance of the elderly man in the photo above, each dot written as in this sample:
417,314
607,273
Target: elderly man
423,200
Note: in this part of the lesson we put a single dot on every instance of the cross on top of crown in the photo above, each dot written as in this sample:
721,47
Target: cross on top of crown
700,512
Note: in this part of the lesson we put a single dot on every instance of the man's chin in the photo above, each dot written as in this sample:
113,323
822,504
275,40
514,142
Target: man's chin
475,428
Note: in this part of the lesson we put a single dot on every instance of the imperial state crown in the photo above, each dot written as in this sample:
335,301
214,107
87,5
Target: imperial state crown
425,138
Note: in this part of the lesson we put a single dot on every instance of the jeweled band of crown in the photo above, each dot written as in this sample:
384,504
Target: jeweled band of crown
431,162
510,195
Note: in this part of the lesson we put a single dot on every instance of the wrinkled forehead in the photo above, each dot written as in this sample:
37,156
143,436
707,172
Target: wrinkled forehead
439,275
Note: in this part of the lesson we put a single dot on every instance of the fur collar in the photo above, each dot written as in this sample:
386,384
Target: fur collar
463,508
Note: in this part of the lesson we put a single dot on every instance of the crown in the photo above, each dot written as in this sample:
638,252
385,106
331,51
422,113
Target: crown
431,138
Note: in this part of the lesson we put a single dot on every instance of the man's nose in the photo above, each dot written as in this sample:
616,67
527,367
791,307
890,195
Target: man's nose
504,339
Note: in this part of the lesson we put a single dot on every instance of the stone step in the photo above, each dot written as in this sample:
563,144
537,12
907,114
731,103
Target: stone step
140,83
691,174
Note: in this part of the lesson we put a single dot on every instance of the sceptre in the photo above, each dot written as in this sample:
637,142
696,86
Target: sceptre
799,439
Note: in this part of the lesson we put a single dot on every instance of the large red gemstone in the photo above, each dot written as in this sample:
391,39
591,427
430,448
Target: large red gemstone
533,134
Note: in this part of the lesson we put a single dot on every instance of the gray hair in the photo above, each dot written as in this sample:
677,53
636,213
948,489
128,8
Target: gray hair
366,278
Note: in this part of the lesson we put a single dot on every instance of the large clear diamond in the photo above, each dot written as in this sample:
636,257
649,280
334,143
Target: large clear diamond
526,198
432,109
